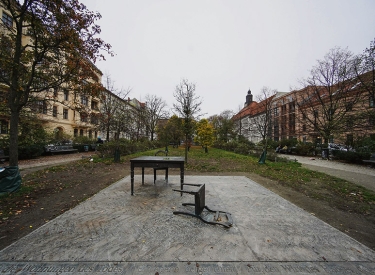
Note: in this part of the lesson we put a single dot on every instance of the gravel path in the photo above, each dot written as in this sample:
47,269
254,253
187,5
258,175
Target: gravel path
359,174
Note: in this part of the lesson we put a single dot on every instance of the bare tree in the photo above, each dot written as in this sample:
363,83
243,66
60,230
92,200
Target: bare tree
262,120
188,107
365,72
155,110
324,103
239,121
113,109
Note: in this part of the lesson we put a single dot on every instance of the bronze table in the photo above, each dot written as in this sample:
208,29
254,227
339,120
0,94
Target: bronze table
156,162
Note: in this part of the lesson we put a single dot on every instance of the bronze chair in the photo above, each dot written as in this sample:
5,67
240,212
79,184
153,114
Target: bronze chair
200,205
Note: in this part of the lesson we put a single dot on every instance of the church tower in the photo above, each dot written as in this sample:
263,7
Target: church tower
249,98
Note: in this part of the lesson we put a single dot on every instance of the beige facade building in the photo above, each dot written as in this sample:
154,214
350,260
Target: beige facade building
68,113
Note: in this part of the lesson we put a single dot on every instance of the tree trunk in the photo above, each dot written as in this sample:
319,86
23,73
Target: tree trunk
13,136
107,135
186,149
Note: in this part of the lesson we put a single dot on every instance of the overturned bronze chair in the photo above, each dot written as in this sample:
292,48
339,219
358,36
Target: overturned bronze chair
220,217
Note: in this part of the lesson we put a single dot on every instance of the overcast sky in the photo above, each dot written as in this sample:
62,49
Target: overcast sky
225,47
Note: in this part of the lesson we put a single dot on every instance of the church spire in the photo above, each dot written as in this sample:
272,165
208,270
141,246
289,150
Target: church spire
249,98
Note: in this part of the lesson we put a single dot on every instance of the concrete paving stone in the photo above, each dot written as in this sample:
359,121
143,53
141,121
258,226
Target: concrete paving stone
116,233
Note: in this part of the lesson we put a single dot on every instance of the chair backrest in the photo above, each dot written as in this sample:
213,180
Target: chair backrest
199,199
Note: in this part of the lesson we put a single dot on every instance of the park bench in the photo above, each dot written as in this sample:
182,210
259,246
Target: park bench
51,149
371,160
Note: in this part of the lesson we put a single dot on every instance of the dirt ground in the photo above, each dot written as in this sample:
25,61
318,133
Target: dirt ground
59,191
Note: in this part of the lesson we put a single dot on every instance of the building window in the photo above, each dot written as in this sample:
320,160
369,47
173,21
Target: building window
84,100
7,20
350,122
55,92
349,139
3,127
94,119
292,107
283,109
276,111
41,107
81,132
371,120
75,132
65,114
94,105
66,95
304,128
276,130
83,117
349,106
90,134
54,111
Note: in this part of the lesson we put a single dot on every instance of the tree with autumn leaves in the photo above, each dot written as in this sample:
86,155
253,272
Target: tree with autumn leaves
204,134
46,45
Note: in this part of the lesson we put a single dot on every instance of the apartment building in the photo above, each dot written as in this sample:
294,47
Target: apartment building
259,120
340,114
67,113
61,110
69,110
121,118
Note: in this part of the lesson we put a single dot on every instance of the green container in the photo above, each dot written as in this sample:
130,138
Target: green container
10,179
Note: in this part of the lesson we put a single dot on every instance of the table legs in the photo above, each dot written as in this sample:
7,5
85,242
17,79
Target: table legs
182,168
132,179
143,177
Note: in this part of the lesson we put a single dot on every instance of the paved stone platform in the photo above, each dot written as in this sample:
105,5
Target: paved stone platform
115,233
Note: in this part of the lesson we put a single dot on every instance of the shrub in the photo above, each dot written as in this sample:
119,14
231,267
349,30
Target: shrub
351,157
83,140
30,151
365,144
305,149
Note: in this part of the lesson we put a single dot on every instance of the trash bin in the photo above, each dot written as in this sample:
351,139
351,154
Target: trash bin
263,157
10,179
325,153
86,148
117,155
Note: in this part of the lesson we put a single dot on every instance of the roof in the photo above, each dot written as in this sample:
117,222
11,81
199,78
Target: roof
253,109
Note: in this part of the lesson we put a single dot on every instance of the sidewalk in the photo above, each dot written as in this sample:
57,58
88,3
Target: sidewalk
114,232
359,174
31,165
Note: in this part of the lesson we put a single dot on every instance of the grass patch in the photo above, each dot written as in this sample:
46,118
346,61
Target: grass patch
314,184
337,192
